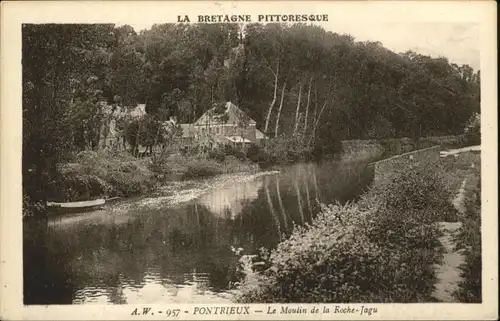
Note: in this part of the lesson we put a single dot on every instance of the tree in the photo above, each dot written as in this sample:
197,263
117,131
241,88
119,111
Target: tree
61,65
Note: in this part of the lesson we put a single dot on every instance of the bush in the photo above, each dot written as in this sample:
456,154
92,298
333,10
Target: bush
361,150
106,173
472,138
285,150
254,153
473,130
330,261
218,154
348,255
201,168
397,146
415,188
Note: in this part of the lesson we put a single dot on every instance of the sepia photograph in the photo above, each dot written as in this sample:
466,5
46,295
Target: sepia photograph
233,158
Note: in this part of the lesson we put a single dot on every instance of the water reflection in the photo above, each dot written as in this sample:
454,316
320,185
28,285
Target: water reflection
229,200
183,254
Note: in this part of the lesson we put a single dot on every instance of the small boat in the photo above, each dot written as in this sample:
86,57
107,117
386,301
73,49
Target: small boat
71,207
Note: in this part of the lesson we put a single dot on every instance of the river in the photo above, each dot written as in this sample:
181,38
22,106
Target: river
176,247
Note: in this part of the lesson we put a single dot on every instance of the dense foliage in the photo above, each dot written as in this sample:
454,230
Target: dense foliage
367,252
420,188
310,86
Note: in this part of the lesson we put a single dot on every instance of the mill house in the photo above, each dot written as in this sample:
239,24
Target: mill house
225,123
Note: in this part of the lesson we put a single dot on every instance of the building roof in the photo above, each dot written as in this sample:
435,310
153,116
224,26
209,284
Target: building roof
259,134
232,115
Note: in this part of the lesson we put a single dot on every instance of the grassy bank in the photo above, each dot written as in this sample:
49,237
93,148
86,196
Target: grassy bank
383,248
107,174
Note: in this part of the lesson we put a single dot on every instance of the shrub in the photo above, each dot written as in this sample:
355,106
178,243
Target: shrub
361,150
32,209
106,173
415,188
397,146
347,255
160,166
254,153
80,187
285,150
128,184
330,261
218,154
473,130
201,168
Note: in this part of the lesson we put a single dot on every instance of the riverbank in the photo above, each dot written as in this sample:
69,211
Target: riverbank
392,239
110,174
177,192
105,174
97,174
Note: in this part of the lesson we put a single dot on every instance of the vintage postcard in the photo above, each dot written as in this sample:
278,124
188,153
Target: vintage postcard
320,160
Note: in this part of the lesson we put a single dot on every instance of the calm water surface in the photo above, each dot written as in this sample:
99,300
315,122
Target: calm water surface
181,253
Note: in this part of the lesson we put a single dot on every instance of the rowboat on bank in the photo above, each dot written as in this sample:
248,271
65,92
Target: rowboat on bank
71,207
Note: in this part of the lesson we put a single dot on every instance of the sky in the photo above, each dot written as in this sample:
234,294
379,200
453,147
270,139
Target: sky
459,42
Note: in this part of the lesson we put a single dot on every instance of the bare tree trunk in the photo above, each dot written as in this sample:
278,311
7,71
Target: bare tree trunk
297,112
316,122
274,98
315,103
193,113
279,111
307,106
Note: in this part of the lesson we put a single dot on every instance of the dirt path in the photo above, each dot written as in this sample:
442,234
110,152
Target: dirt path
448,273
460,150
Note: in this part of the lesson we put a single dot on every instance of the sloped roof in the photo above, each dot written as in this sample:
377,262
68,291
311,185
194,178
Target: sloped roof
259,134
232,115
